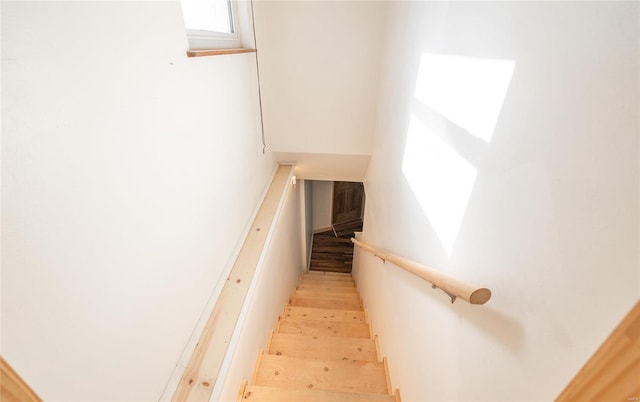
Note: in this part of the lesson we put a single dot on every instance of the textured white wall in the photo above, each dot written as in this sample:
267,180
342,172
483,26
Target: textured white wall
322,195
319,67
129,174
308,220
275,283
331,167
550,221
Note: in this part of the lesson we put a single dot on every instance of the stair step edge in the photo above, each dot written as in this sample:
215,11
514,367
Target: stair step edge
257,393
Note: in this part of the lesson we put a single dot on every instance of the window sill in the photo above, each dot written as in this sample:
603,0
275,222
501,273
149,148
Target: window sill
218,52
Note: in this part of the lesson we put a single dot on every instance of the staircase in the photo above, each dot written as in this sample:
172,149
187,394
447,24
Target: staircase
322,349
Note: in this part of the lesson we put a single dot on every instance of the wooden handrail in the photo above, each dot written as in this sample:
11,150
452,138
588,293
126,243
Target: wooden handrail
218,52
451,286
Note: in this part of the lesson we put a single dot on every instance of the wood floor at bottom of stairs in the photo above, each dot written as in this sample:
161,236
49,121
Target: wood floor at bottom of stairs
260,393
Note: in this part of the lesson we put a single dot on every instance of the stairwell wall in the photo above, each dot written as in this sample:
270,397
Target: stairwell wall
274,284
319,68
322,193
129,174
307,219
544,211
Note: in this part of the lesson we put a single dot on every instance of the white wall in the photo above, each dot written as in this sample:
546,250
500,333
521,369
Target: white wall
322,196
319,67
307,219
551,222
332,167
275,283
129,174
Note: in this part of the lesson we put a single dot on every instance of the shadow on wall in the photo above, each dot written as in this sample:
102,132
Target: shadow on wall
506,331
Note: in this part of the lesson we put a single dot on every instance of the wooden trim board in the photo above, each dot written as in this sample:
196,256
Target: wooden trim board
613,372
218,52
243,386
12,386
204,365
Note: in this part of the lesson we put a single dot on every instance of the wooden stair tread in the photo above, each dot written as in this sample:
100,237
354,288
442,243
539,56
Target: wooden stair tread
332,375
328,289
330,237
337,263
323,347
347,228
325,283
323,328
324,314
330,251
325,277
325,241
325,303
333,269
345,262
259,393
330,274
320,294
338,255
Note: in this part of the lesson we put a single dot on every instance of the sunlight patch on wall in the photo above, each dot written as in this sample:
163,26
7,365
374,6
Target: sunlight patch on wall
468,91
440,178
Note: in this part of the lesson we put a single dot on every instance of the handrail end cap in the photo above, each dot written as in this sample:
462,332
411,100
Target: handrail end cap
480,296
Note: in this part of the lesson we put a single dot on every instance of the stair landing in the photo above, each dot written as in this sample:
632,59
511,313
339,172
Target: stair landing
330,253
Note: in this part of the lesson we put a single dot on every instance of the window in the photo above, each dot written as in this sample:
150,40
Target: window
211,24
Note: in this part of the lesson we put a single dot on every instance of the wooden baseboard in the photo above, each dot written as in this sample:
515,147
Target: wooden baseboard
12,386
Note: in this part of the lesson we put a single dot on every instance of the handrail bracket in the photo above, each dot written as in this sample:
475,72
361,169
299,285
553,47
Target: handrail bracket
453,297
